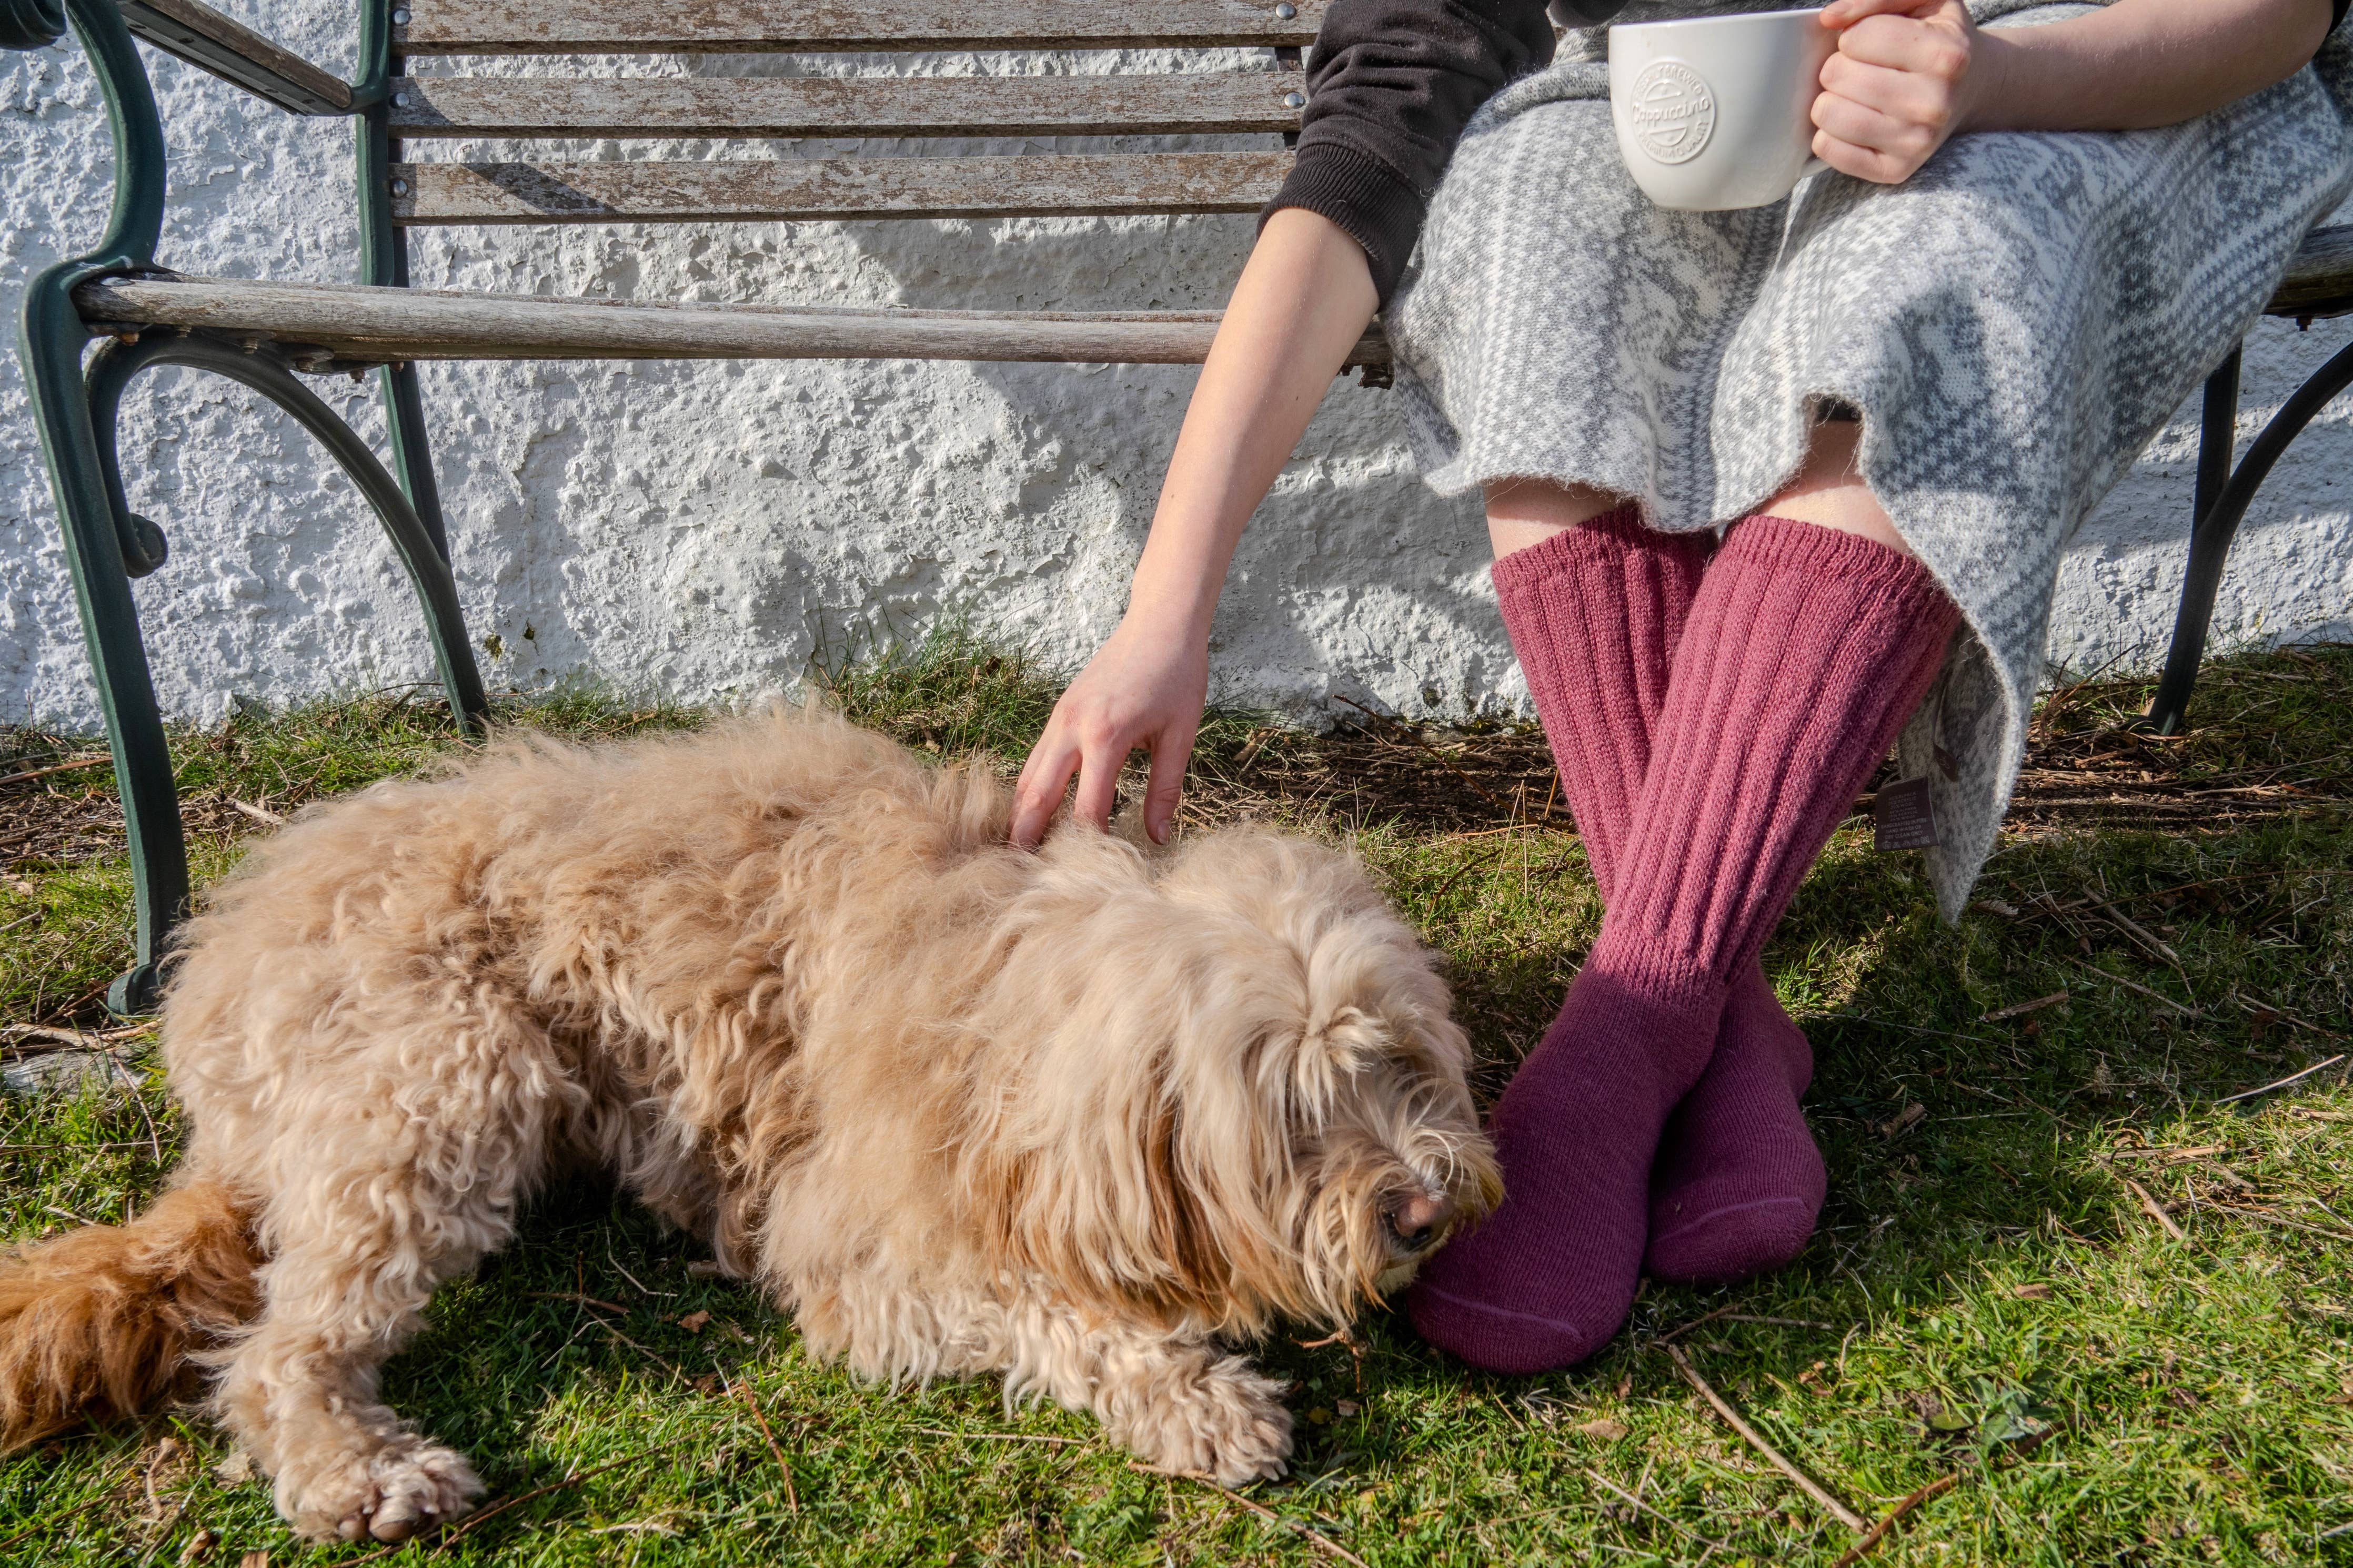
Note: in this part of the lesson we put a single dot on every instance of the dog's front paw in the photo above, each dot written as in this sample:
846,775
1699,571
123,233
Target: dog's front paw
387,1495
1218,1420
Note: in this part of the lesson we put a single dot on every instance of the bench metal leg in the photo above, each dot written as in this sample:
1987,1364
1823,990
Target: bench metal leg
101,566
110,372
412,456
2221,505
106,545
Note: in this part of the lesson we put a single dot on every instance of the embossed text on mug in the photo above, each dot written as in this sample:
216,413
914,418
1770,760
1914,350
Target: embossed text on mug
1673,111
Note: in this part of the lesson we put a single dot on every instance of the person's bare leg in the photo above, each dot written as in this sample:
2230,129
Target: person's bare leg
1829,491
1524,513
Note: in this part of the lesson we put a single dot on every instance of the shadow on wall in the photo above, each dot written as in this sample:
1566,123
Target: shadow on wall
1354,579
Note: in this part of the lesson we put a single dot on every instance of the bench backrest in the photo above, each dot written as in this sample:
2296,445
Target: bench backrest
1263,97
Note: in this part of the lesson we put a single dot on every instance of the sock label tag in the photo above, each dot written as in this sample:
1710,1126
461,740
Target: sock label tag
1903,817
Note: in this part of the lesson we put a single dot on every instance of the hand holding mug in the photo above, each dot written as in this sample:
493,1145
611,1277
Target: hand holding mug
1899,84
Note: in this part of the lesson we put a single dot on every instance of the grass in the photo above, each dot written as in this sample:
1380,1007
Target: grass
1989,1300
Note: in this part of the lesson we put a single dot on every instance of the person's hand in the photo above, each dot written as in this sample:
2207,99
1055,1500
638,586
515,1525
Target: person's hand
1898,86
1145,687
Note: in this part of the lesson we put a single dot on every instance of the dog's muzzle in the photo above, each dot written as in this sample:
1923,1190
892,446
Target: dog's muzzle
1416,1220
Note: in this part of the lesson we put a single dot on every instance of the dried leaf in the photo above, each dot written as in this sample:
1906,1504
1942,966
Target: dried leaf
254,1559
1604,1430
234,1470
1347,1406
199,1547
703,1268
693,1322
1319,1416
2032,1292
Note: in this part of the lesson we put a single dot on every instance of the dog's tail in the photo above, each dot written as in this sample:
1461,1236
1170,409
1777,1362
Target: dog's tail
100,1321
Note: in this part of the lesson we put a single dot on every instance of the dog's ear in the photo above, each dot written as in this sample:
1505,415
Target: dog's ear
1181,1233
1110,1215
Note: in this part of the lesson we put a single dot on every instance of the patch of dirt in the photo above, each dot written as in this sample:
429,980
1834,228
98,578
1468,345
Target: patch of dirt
1422,778
2083,770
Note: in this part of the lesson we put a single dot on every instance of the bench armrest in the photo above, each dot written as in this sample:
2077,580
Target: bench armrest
237,54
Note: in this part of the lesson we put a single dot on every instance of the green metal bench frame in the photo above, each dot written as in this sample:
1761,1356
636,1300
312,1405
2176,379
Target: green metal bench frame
74,405
144,316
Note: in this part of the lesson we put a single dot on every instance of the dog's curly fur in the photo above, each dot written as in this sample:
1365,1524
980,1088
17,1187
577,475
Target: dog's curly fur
1084,1118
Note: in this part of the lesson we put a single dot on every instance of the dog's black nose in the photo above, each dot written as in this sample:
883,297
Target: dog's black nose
1417,1219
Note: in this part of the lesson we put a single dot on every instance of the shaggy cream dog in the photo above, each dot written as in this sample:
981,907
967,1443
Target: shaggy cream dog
1083,1118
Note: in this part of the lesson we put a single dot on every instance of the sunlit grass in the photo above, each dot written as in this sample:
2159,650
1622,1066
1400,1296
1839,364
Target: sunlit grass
1988,1299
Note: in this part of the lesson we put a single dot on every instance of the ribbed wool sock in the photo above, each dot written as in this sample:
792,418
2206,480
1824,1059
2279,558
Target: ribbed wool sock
1594,615
1804,652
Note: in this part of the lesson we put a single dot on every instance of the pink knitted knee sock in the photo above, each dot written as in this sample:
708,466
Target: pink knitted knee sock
1805,649
1594,613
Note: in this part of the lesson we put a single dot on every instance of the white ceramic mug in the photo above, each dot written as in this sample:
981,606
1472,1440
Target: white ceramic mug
1716,112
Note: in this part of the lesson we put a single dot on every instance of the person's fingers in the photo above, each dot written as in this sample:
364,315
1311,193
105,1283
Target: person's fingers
1858,126
1916,46
1847,12
1170,752
1099,767
1862,162
1039,789
1899,94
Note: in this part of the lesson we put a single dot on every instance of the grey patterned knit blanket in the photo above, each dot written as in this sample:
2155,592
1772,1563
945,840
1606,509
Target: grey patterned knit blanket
2015,322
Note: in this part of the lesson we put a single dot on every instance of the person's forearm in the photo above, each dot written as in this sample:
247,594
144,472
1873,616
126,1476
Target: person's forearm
1303,300
2138,64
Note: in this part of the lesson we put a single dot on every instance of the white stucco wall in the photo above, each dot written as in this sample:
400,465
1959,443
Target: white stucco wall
702,529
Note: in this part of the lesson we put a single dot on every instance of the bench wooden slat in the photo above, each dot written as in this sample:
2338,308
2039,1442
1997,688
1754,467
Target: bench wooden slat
846,106
1080,184
377,324
664,26
2319,281
236,53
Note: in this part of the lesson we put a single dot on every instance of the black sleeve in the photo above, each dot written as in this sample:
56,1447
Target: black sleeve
1390,84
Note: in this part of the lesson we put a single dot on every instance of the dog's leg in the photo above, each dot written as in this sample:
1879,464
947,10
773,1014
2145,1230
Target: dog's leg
300,1390
365,1220
1181,1403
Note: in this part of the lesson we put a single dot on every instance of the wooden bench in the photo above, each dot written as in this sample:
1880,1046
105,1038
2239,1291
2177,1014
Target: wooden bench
268,336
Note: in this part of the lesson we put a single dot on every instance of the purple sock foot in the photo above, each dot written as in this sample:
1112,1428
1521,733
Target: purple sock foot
1549,1277
1739,1182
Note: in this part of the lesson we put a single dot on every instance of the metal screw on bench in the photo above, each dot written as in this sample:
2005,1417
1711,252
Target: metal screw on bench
400,187
400,17
1295,101
1285,12
400,101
